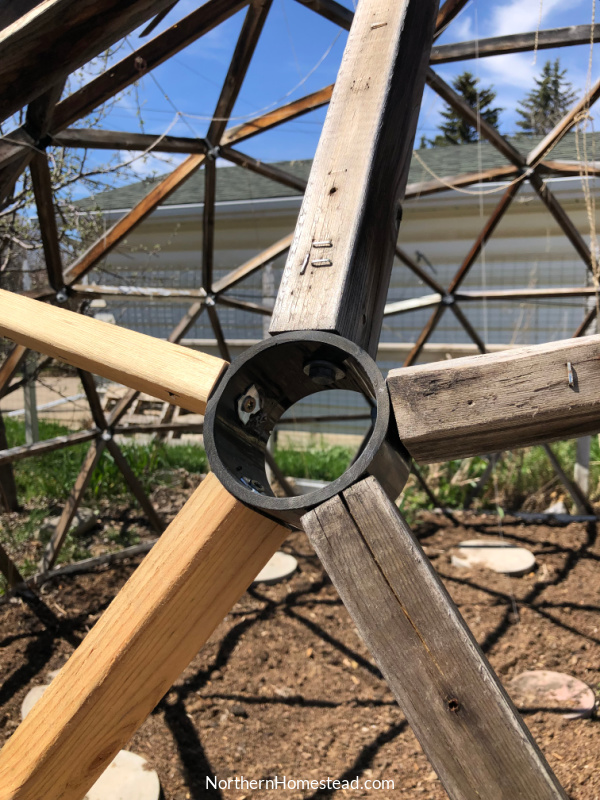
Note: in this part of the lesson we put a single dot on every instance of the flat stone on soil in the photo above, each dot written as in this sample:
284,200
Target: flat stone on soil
277,568
31,698
127,777
544,690
496,555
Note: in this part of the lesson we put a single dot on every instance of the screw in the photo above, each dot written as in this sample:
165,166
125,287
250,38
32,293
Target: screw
323,373
248,404
62,296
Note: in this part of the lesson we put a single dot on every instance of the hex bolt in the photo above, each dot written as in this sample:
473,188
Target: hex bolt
248,404
323,373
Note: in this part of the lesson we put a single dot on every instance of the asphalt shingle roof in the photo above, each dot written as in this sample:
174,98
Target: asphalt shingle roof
235,183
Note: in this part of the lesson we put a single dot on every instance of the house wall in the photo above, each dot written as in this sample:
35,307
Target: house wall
527,250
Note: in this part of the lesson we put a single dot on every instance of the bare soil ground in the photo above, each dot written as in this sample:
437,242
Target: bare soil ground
285,687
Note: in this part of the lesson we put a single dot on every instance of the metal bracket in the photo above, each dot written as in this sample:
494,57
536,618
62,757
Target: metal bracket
266,381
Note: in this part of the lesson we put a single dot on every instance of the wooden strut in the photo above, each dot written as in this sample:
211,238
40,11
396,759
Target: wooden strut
189,581
204,560
455,704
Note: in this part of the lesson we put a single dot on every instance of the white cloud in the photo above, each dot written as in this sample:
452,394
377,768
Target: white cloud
517,16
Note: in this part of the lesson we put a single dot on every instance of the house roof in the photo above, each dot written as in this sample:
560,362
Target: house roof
237,184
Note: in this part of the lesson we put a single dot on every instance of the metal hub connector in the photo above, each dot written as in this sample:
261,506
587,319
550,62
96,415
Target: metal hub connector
267,380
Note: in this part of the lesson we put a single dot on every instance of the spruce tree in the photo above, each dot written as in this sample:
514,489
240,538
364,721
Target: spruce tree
454,130
547,104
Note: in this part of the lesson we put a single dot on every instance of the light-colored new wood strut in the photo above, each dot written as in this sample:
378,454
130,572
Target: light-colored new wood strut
171,373
184,587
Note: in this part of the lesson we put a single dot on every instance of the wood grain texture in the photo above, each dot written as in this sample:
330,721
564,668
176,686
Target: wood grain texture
483,404
167,371
278,116
189,581
262,168
358,177
464,720
32,61
514,43
97,139
44,202
9,455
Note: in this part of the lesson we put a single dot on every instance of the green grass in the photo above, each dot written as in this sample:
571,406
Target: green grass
52,475
321,463
49,478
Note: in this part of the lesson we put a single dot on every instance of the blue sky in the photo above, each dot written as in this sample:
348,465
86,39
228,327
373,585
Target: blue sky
299,52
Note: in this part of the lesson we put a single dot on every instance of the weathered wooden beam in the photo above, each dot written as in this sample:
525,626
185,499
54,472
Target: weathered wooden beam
253,264
278,116
73,502
256,16
514,43
11,364
468,328
8,488
413,303
558,293
137,490
208,223
178,332
138,213
93,398
244,305
131,68
447,12
331,10
11,454
562,218
191,578
488,229
582,504
456,102
425,335
419,271
569,168
126,291
482,404
44,201
160,427
9,569
32,61
157,19
449,182
261,168
98,139
215,323
465,722
18,148
170,372
338,269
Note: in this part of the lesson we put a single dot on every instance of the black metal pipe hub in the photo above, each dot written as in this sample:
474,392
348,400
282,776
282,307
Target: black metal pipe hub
267,380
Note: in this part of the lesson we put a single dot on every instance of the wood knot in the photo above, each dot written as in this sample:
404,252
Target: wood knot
453,705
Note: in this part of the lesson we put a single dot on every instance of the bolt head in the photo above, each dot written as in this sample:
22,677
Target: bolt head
323,373
248,404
